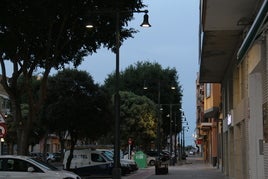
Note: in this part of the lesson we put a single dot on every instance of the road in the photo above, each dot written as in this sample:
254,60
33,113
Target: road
193,168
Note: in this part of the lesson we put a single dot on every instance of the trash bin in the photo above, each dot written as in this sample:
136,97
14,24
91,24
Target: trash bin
141,159
161,168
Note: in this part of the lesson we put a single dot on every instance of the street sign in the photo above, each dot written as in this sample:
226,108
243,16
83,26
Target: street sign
199,141
3,130
129,141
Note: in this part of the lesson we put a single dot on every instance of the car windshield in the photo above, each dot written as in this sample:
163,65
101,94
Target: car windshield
43,164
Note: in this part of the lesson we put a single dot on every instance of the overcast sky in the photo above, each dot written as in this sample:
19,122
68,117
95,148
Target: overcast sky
172,41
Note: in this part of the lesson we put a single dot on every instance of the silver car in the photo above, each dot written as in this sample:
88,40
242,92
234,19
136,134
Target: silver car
25,167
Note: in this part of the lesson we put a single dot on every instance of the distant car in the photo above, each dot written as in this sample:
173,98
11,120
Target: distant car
151,160
50,157
26,167
191,152
57,156
53,157
37,155
163,155
152,156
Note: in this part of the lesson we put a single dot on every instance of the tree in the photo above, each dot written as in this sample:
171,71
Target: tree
77,106
135,77
45,35
138,119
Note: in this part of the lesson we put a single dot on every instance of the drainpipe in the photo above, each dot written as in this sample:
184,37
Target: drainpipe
253,31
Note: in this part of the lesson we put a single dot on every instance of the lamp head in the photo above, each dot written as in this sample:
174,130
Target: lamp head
145,87
89,25
145,22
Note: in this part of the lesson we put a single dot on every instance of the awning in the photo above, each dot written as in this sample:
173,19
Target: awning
254,31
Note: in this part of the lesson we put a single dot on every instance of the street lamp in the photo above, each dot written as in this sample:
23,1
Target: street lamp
182,135
117,170
145,87
170,115
183,138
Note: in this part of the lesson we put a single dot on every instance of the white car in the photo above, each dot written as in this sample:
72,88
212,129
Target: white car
26,167
151,161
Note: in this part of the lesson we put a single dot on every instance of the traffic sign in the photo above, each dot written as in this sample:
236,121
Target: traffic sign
3,130
129,141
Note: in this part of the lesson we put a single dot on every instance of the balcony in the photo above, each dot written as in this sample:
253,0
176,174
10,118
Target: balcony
205,126
223,24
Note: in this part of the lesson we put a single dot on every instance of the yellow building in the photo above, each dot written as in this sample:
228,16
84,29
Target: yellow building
208,123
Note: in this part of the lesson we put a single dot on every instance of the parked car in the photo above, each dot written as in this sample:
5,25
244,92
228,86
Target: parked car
125,166
53,157
92,163
109,152
26,167
151,160
37,155
152,156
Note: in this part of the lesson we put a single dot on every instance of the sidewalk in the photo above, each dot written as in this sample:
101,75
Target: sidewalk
193,168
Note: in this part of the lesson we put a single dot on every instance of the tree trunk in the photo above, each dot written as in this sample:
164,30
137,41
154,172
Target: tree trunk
22,142
70,157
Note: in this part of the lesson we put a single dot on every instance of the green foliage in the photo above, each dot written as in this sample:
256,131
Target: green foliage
49,34
135,77
138,119
151,75
77,105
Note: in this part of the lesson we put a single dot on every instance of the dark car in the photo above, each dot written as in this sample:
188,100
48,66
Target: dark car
53,157
125,167
165,155
37,155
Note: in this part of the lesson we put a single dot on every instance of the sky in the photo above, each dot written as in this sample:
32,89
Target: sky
172,41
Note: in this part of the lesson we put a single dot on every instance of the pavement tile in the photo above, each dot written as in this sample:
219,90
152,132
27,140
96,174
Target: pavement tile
193,167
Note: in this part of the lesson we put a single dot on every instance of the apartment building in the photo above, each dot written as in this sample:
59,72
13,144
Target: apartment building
209,122
234,53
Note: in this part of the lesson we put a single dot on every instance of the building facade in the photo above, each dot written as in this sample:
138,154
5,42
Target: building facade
209,121
234,53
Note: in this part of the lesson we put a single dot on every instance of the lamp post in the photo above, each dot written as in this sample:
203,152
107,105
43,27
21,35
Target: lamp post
177,140
158,116
183,137
170,135
159,113
170,115
158,122
117,170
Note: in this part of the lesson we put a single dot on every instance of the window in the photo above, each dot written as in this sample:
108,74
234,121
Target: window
97,158
1,164
208,90
17,165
